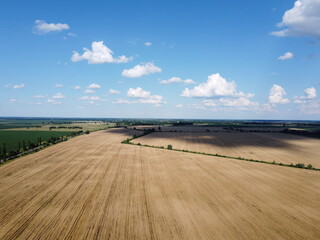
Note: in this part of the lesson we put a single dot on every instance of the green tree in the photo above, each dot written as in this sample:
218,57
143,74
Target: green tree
4,150
24,147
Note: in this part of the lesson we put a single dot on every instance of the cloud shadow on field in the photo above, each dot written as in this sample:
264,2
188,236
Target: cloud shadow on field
227,140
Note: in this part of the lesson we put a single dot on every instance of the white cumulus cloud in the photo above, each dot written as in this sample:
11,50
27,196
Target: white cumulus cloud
100,53
230,102
147,44
309,94
58,96
177,80
286,56
59,85
216,85
94,86
89,91
114,92
77,87
41,27
54,102
92,98
276,95
144,96
17,86
141,70
138,93
301,20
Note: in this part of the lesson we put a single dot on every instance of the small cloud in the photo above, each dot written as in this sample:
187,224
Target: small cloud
230,102
17,86
92,98
114,92
100,53
268,107
177,80
77,87
179,106
41,27
54,101
141,70
276,95
94,86
72,35
59,85
144,96
89,91
310,107
58,96
138,93
147,44
309,93
39,96
122,101
286,56
13,100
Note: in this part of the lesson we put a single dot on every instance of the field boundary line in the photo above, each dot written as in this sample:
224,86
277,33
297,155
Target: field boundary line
298,165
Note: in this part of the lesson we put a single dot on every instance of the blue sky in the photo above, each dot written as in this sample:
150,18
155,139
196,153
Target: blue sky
160,59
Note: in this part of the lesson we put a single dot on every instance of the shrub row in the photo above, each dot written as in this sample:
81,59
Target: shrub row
169,147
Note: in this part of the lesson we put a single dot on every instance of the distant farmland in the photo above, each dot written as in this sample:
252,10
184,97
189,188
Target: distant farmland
12,138
266,146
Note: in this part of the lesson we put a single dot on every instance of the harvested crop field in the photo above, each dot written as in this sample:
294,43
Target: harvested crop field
94,187
278,147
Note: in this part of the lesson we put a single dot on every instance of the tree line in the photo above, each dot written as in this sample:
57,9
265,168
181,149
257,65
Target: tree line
28,146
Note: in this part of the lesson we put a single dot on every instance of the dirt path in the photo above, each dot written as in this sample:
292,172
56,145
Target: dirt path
93,187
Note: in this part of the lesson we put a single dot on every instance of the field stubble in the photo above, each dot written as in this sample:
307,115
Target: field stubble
94,187
278,147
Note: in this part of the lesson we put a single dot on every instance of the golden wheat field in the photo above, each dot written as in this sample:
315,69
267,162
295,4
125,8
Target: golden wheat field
94,187
278,147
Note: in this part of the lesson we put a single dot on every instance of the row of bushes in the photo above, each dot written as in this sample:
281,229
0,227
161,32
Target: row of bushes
169,147
69,127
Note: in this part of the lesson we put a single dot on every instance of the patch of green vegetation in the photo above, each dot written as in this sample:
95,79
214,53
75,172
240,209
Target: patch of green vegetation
15,139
